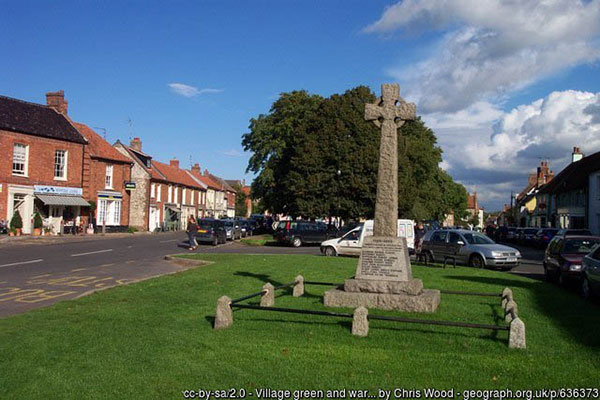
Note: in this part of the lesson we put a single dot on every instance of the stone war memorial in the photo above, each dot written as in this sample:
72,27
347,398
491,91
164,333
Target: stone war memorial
383,277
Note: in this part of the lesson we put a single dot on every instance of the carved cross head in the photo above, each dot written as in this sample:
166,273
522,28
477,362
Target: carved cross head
391,107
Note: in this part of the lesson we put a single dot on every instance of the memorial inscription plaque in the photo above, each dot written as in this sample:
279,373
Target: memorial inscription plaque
384,258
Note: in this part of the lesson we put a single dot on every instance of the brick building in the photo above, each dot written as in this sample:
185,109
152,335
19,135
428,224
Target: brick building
42,163
165,194
105,172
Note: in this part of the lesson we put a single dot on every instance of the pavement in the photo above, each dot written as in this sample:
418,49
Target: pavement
38,272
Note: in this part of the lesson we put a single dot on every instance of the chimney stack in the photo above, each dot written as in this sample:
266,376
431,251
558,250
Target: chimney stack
577,154
56,100
196,169
205,172
174,163
136,144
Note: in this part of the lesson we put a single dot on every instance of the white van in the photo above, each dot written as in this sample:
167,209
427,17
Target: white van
351,243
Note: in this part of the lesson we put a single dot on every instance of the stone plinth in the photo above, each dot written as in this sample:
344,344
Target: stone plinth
426,301
411,287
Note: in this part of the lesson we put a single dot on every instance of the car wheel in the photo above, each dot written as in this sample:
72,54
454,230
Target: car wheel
585,288
476,261
215,241
297,242
330,251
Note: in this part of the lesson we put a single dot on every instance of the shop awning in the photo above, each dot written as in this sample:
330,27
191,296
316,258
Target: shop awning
58,200
173,208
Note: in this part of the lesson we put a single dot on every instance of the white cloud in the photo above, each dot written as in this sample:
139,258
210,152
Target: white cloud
191,91
231,153
496,159
490,48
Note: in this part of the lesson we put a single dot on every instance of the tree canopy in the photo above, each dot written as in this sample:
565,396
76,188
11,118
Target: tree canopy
317,157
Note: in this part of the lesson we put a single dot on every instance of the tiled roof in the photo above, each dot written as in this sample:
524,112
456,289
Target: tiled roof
36,119
224,185
207,181
175,175
574,176
98,147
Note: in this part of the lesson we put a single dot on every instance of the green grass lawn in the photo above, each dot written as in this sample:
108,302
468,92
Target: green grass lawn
259,240
154,339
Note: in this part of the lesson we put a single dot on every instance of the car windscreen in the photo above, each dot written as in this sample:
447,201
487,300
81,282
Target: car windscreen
477,238
579,246
531,231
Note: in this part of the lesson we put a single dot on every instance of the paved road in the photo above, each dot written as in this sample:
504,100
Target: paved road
37,275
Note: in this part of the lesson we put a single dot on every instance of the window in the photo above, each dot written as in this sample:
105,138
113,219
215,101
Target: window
20,153
192,198
108,179
170,194
153,190
60,164
176,195
109,212
183,196
454,238
439,236
158,193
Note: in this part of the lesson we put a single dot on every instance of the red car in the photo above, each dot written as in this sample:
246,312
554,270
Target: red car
564,256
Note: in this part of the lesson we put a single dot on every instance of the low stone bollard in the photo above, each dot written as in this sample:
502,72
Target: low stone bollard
360,322
299,286
516,336
223,316
511,311
268,297
507,295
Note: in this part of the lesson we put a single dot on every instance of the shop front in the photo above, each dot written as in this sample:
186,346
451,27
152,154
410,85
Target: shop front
108,215
62,209
21,199
172,218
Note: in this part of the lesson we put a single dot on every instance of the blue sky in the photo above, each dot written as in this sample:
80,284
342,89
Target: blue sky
116,60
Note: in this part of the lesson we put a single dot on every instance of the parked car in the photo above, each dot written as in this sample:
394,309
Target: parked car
471,248
590,274
511,233
351,243
564,256
233,230
211,230
298,233
544,236
247,227
527,236
571,232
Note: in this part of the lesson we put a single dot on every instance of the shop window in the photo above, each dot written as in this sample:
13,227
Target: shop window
109,212
60,164
20,156
108,179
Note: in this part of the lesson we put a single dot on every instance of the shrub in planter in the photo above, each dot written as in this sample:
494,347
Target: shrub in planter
16,222
38,224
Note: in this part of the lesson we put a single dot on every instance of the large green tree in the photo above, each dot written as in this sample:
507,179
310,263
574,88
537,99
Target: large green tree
317,157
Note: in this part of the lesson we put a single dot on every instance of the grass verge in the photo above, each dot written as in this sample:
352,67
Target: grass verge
154,339
260,240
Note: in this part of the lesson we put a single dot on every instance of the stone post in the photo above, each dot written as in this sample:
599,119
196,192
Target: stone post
268,298
360,322
299,286
516,336
223,316
511,311
507,295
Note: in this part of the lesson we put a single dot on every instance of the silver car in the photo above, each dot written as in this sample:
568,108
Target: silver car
468,247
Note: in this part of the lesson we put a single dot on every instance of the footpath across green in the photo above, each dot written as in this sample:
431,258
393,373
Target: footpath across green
154,339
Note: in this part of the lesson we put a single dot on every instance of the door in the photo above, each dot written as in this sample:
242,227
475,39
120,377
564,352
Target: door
437,244
154,222
456,247
350,244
